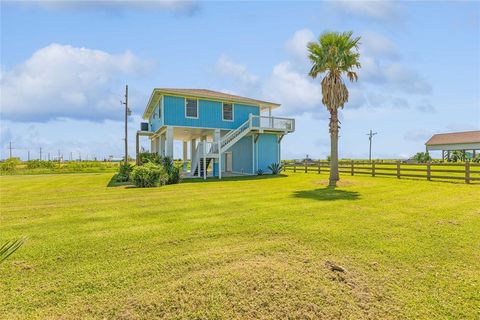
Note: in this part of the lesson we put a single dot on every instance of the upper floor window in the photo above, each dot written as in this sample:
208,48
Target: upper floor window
227,112
191,108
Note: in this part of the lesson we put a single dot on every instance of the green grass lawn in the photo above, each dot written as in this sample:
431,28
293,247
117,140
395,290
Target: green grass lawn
250,248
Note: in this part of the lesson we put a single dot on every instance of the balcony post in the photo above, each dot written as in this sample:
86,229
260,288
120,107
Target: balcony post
270,119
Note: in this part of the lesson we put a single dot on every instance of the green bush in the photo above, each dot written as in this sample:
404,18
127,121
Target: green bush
174,174
149,157
10,165
35,164
275,168
476,159
422,157
124,172
149,175
457,156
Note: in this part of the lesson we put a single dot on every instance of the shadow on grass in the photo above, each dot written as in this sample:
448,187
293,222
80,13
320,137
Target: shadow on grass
114,183
327,194
237,178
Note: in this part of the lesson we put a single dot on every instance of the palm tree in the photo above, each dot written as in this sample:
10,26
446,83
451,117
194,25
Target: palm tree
335,54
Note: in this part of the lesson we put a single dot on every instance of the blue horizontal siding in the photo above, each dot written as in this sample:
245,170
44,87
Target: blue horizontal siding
209,114
266,151
155,120
242,155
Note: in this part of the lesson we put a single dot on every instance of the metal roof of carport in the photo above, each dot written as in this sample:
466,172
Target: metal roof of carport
469,140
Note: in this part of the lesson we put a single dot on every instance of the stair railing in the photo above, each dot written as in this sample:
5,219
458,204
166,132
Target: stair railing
226,139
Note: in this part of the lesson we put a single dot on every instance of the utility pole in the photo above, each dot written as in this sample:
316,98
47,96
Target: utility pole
10,148
49,156
40,153
71,156
127,113
28,155
370,136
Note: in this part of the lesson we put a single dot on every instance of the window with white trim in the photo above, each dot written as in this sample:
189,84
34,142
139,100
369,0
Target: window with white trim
191,108
227,112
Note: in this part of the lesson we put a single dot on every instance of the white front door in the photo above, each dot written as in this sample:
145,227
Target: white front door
228,161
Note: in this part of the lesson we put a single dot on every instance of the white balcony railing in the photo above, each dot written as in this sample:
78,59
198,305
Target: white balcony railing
275,123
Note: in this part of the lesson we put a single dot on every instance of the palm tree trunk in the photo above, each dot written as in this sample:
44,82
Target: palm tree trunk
333,148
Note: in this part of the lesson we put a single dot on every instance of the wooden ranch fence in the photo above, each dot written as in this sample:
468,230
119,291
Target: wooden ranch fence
469,172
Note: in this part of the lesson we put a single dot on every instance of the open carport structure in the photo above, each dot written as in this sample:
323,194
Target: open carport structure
455,141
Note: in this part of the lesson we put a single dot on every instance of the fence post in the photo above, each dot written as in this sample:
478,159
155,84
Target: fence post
306,165
373,168
398,169
467,171
428,171
294,167
352,168
319,167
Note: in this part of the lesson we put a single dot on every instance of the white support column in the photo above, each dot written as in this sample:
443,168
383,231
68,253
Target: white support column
205,159
185,147
169,142
216,139
219,161
152,145
193,145
157,145
161,145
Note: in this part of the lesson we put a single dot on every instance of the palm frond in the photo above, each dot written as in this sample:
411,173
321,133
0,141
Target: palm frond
335,54
10,247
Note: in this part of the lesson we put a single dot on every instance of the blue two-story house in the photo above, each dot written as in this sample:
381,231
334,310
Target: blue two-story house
226,134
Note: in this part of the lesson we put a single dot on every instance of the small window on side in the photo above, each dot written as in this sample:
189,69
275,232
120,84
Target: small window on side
227,112
191,108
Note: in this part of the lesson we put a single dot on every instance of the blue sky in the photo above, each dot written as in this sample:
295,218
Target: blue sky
64,66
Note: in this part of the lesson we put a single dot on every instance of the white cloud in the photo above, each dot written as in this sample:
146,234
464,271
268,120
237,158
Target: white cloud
394,75
295,91
377,10
61,81
370,70
406,79
188,7
297,45
426,106
418,135
227,67
377,45
381,80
